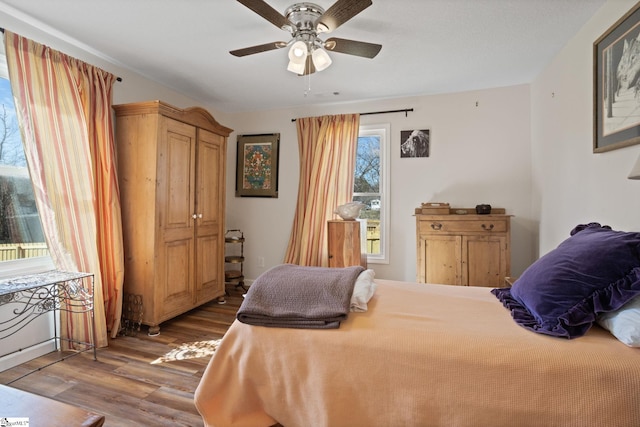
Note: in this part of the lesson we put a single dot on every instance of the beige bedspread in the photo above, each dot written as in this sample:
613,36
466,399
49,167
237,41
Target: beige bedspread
423,355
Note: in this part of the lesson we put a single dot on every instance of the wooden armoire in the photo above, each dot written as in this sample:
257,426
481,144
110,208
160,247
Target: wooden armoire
171,172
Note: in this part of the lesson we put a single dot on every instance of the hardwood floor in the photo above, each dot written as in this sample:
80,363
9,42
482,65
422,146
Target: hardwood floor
124,384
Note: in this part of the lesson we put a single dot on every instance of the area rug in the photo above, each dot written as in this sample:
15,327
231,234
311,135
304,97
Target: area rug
190,350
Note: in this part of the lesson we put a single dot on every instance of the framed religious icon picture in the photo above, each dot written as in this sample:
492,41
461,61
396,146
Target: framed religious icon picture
257,165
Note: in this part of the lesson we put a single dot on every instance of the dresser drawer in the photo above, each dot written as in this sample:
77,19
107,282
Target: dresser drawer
467,226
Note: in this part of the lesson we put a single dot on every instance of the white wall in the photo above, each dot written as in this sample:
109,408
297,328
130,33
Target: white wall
571,184
479,154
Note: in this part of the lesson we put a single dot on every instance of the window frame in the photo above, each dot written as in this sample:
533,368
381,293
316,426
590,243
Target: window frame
383,131
18,267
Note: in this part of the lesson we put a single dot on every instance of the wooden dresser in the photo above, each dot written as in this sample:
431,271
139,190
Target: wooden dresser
171,171
466,250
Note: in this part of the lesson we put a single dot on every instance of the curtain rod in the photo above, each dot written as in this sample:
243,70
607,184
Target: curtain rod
117,78
404,110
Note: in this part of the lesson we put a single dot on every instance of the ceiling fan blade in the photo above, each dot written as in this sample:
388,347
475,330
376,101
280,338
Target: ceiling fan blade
268,13
339,13
352,47
257,49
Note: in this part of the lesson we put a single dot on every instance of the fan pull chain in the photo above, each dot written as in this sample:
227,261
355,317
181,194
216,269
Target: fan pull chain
308,90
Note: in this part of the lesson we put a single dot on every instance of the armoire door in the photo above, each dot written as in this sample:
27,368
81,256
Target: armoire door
176,209
210,183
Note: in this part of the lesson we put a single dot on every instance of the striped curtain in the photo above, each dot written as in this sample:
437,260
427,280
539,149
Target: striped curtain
327,146
64,111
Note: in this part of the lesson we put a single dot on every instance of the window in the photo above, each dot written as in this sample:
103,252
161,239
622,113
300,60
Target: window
22,243
371,187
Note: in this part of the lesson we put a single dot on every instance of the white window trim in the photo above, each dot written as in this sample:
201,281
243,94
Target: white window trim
24,266
384,131
28,337
19,267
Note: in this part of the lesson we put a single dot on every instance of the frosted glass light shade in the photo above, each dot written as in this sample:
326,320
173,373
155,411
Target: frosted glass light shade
297,57
297,68
321,59
635,171
298,52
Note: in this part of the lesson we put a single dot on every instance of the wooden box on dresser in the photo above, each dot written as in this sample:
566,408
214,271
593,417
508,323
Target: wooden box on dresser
467,250
171,172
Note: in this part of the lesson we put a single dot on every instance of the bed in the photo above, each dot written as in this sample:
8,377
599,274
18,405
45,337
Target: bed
421,355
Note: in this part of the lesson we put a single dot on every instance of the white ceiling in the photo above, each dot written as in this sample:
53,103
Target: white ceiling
429,46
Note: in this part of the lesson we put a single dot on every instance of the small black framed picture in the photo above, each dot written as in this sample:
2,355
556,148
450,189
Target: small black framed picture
415,143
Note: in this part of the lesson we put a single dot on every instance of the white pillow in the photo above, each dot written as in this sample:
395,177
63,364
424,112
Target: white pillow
624,323
363,290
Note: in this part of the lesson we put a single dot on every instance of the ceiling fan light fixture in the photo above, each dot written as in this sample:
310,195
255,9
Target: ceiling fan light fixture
298,52
295,67
321,59
298,57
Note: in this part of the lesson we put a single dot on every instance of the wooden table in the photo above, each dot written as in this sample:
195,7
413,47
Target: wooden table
43,411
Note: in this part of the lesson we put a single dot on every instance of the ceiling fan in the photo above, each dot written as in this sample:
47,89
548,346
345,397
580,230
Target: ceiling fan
304,21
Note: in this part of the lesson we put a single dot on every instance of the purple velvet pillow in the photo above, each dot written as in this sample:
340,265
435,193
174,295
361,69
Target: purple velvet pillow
596,270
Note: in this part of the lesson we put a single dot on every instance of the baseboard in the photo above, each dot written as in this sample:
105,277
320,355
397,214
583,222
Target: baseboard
23,356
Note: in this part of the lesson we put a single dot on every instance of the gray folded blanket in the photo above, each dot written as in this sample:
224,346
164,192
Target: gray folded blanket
293,296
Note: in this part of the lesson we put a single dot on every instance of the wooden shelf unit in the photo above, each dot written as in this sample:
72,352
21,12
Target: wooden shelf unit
234,258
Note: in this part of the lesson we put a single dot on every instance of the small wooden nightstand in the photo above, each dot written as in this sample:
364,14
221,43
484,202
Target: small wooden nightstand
347,243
